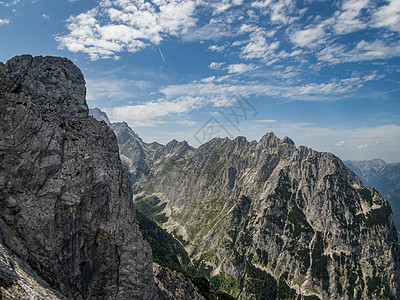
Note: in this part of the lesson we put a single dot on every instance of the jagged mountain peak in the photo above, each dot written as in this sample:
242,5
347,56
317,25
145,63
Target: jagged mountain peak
99,115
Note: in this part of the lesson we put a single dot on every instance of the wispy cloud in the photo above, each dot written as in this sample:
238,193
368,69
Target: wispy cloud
348,19
216,65
363,51
216,48
114,89
4,21
240,68
9,3
212,90
388,16
150,113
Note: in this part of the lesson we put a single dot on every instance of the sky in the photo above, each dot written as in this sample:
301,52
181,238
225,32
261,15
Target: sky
324,73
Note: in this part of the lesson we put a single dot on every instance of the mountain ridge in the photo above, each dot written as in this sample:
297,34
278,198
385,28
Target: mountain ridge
384,177
296,219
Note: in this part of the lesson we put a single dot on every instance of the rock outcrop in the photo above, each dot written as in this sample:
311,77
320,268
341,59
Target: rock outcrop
173,285
65,202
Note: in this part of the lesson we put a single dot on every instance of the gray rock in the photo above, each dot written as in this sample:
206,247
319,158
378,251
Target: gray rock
65,202
19,281
173,285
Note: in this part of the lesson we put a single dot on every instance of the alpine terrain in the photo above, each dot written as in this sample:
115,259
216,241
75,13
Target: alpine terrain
267,219
384,177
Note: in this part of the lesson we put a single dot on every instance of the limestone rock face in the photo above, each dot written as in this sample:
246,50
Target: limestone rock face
65,202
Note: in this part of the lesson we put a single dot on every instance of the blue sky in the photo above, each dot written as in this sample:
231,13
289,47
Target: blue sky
325,73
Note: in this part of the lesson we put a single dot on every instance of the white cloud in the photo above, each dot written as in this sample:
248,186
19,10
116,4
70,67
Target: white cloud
10,3
309,37
261,4
149,113
116,26
362,146
218,94
388,16
340,144
240,68
4,21
45,16
114,89
259,46
208,79
220,7
348,20
282,11
216,48
215,65
266,121
363,51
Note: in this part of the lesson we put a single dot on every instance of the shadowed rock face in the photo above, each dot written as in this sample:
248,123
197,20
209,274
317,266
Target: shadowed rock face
65,203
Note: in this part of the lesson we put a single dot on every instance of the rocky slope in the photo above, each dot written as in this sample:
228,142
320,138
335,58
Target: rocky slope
268,220
133,150
384,177
66,216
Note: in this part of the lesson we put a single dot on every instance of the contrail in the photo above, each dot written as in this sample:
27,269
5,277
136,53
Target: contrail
162,56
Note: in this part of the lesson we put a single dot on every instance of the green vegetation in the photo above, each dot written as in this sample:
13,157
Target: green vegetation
366,195
224,296
304,256
378,216
205,288
320,262
225,282
262,256
284,291
312,297
167,251
151,208
259,283
299,222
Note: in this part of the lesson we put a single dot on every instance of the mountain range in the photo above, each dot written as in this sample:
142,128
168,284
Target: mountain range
267,219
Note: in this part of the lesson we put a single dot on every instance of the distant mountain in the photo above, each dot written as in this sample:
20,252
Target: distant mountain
384,177
269,220
99,115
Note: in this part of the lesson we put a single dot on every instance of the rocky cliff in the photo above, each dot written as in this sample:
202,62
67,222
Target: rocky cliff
382,176
65,203
269,220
